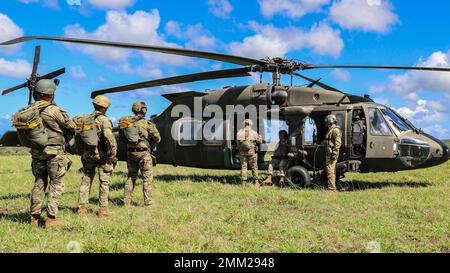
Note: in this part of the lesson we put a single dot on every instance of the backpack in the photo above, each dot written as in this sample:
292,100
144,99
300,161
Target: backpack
86,134
246,145
30,127
128,131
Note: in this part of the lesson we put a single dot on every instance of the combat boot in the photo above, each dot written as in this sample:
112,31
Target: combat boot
35,219
268,181
103,212
53,222
82,210
127,200
256,183
244,182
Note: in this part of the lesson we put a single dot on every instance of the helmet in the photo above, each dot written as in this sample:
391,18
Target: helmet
139,107
248,122
330,120
102,101
46,87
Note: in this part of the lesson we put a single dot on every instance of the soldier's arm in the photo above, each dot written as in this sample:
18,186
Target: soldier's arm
107,130
337,140
63,119
153,132
258,139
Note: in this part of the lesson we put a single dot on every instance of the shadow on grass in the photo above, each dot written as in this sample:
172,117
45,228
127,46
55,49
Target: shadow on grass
358,185
19,216
15,196
198,178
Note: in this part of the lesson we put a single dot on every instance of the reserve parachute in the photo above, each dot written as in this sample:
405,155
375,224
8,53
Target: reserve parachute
86,132
128,131
30,127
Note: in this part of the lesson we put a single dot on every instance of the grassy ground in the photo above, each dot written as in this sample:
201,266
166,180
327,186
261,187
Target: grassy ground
204,211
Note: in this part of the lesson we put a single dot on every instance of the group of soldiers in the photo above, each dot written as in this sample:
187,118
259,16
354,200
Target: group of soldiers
248,139
49,165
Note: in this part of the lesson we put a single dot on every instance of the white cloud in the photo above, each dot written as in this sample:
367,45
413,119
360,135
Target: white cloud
413,82
437,131
290,8
342,75
369,15
272,41
112,4
6,116
9,30
53,4
195,36
77,72
220,8
16,69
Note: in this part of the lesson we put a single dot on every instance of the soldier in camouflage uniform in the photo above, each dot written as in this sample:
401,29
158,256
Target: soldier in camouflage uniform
279,158
50,164
247,139
139,157
103,158
333,145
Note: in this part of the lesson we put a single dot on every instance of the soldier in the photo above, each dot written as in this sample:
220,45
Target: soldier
247,139
139,156
279,158
101,156
50,163
333,144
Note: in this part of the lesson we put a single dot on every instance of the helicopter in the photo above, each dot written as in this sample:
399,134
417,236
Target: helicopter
375,137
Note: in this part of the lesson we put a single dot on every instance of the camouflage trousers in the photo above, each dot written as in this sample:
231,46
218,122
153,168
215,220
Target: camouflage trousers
139,161
251,161
54,170
331,172
104,173
281,163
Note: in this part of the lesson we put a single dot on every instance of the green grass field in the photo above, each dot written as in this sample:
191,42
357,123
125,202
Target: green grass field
205,211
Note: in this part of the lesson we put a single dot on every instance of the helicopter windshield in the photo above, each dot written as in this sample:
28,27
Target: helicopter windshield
397,121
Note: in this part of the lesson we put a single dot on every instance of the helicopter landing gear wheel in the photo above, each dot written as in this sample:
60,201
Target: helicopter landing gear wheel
298,177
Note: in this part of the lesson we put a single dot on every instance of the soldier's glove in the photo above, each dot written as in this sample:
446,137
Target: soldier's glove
291,155
112,159
334,156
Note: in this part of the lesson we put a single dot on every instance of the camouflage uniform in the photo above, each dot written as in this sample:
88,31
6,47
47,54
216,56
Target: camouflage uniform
98,158
279,158
51,164
248,157
333,141
140,158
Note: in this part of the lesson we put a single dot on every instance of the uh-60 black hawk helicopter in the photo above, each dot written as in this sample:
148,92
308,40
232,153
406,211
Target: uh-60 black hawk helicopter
375,137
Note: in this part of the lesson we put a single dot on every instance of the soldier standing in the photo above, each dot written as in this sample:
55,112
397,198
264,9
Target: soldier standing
247,139
101,154
279,158
139,157
51,162
333,145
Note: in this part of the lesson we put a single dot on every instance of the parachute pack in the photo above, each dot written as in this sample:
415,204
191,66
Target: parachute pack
30,127
128,131
86,132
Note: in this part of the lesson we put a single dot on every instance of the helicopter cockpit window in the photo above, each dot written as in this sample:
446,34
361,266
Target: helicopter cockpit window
310,131
378,125
397,121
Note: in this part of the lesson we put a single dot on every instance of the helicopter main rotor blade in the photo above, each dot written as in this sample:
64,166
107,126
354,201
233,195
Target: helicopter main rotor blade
7,91
420,68
210,75
318,83
37,58
53,74
167,50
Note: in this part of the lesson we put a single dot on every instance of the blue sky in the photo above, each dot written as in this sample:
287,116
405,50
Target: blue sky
373,32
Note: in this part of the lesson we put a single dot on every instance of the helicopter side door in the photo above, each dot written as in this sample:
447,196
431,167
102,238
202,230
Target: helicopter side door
380,138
